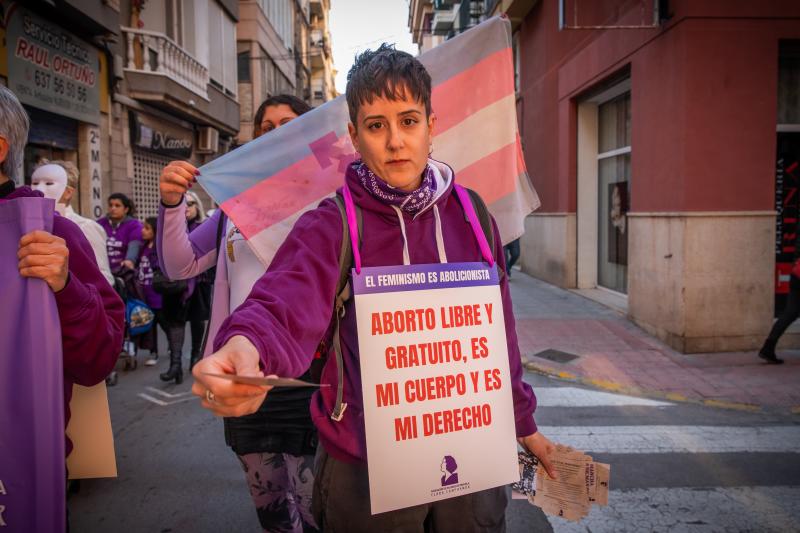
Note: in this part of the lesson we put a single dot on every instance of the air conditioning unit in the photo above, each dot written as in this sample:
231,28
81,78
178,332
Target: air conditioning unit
208,142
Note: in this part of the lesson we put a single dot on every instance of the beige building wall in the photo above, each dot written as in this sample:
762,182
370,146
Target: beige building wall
548,248
702,282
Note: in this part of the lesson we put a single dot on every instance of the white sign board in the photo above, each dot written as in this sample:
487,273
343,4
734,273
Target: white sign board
435,380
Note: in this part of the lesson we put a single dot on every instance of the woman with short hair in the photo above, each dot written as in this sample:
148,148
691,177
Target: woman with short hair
411,215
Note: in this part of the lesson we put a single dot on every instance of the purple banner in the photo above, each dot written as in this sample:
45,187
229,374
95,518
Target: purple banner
376,280
32,471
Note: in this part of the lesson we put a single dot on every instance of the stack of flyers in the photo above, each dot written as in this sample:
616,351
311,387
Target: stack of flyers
581,483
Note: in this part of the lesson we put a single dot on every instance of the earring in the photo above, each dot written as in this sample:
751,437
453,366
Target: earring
431,149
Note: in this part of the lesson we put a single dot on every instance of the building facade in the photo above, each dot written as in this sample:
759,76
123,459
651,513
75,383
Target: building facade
663,139
323,86
269,60
659,144
176,92
122,88
434,21
59,67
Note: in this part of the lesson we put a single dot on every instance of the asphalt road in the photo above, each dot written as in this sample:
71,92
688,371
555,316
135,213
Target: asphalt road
675,467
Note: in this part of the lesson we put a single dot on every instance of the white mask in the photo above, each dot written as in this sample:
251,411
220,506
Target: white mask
51,180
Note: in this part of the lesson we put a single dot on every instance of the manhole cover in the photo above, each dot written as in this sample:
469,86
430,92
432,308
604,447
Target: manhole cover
557,355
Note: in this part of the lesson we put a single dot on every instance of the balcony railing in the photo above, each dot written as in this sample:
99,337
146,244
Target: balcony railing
155,53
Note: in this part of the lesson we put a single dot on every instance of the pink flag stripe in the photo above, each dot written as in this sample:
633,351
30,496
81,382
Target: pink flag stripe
287,191
481,85
495,175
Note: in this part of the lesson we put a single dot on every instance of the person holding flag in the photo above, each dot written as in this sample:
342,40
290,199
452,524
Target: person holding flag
276,444
411,215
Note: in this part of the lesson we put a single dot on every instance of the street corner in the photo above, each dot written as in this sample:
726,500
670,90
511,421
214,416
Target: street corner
547,363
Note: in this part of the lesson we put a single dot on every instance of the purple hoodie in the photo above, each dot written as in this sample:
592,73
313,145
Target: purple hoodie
124,240
148,261
90,312
290,307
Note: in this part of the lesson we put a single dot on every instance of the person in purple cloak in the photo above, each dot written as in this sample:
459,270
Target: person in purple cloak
90,313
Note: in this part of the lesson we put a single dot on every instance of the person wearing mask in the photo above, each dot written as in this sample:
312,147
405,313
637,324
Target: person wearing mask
276,444
411,214
123,231
58,180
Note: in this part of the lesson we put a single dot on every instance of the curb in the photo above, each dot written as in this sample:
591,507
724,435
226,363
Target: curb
612,386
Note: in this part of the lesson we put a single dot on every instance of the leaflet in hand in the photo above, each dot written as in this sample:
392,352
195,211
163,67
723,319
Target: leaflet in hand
581,483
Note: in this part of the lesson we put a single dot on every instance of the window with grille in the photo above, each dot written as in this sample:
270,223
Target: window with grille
146,171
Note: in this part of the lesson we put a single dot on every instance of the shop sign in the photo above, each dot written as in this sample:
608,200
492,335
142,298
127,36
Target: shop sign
51,69
160,136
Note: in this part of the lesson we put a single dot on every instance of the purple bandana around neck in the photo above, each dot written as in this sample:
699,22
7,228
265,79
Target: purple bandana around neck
411,202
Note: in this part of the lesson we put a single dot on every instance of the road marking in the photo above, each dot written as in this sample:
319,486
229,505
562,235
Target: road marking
166,394
692,509
163,403
575,397
677,439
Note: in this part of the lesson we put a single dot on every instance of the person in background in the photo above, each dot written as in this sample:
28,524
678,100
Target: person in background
200,302
512,253
90,313
58,180
147,263
790,313
276,444
123,231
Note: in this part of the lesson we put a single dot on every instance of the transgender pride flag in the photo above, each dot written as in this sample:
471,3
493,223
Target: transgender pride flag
266,185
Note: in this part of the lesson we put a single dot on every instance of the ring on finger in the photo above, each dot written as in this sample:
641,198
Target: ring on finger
210,396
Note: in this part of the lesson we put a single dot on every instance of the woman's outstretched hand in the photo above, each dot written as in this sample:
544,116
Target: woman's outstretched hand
226,398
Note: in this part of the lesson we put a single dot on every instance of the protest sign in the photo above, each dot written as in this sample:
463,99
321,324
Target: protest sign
435,380
90,431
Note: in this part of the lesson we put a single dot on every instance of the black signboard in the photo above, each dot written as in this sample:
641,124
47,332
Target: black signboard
787,205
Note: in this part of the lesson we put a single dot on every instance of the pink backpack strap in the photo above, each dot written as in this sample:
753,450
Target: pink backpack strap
477,230
352,223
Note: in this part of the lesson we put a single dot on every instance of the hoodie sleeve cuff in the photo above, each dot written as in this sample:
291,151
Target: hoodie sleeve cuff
526,426
72,299
169,206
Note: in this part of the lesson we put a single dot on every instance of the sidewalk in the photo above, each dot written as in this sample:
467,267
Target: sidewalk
616,355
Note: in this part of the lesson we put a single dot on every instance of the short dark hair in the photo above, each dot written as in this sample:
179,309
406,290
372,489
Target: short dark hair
297,105
127,202
152,222
386,73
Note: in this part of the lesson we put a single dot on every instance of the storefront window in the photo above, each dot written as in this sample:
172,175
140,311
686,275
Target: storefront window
614,170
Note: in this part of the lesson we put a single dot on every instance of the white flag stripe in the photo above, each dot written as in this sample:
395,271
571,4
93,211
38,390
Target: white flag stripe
479,135
267,241
692,509
677,439
575,397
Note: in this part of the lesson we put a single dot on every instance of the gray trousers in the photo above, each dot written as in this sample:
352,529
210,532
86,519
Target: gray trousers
341,504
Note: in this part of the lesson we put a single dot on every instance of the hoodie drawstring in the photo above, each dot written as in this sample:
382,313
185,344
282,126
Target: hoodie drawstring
439,235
